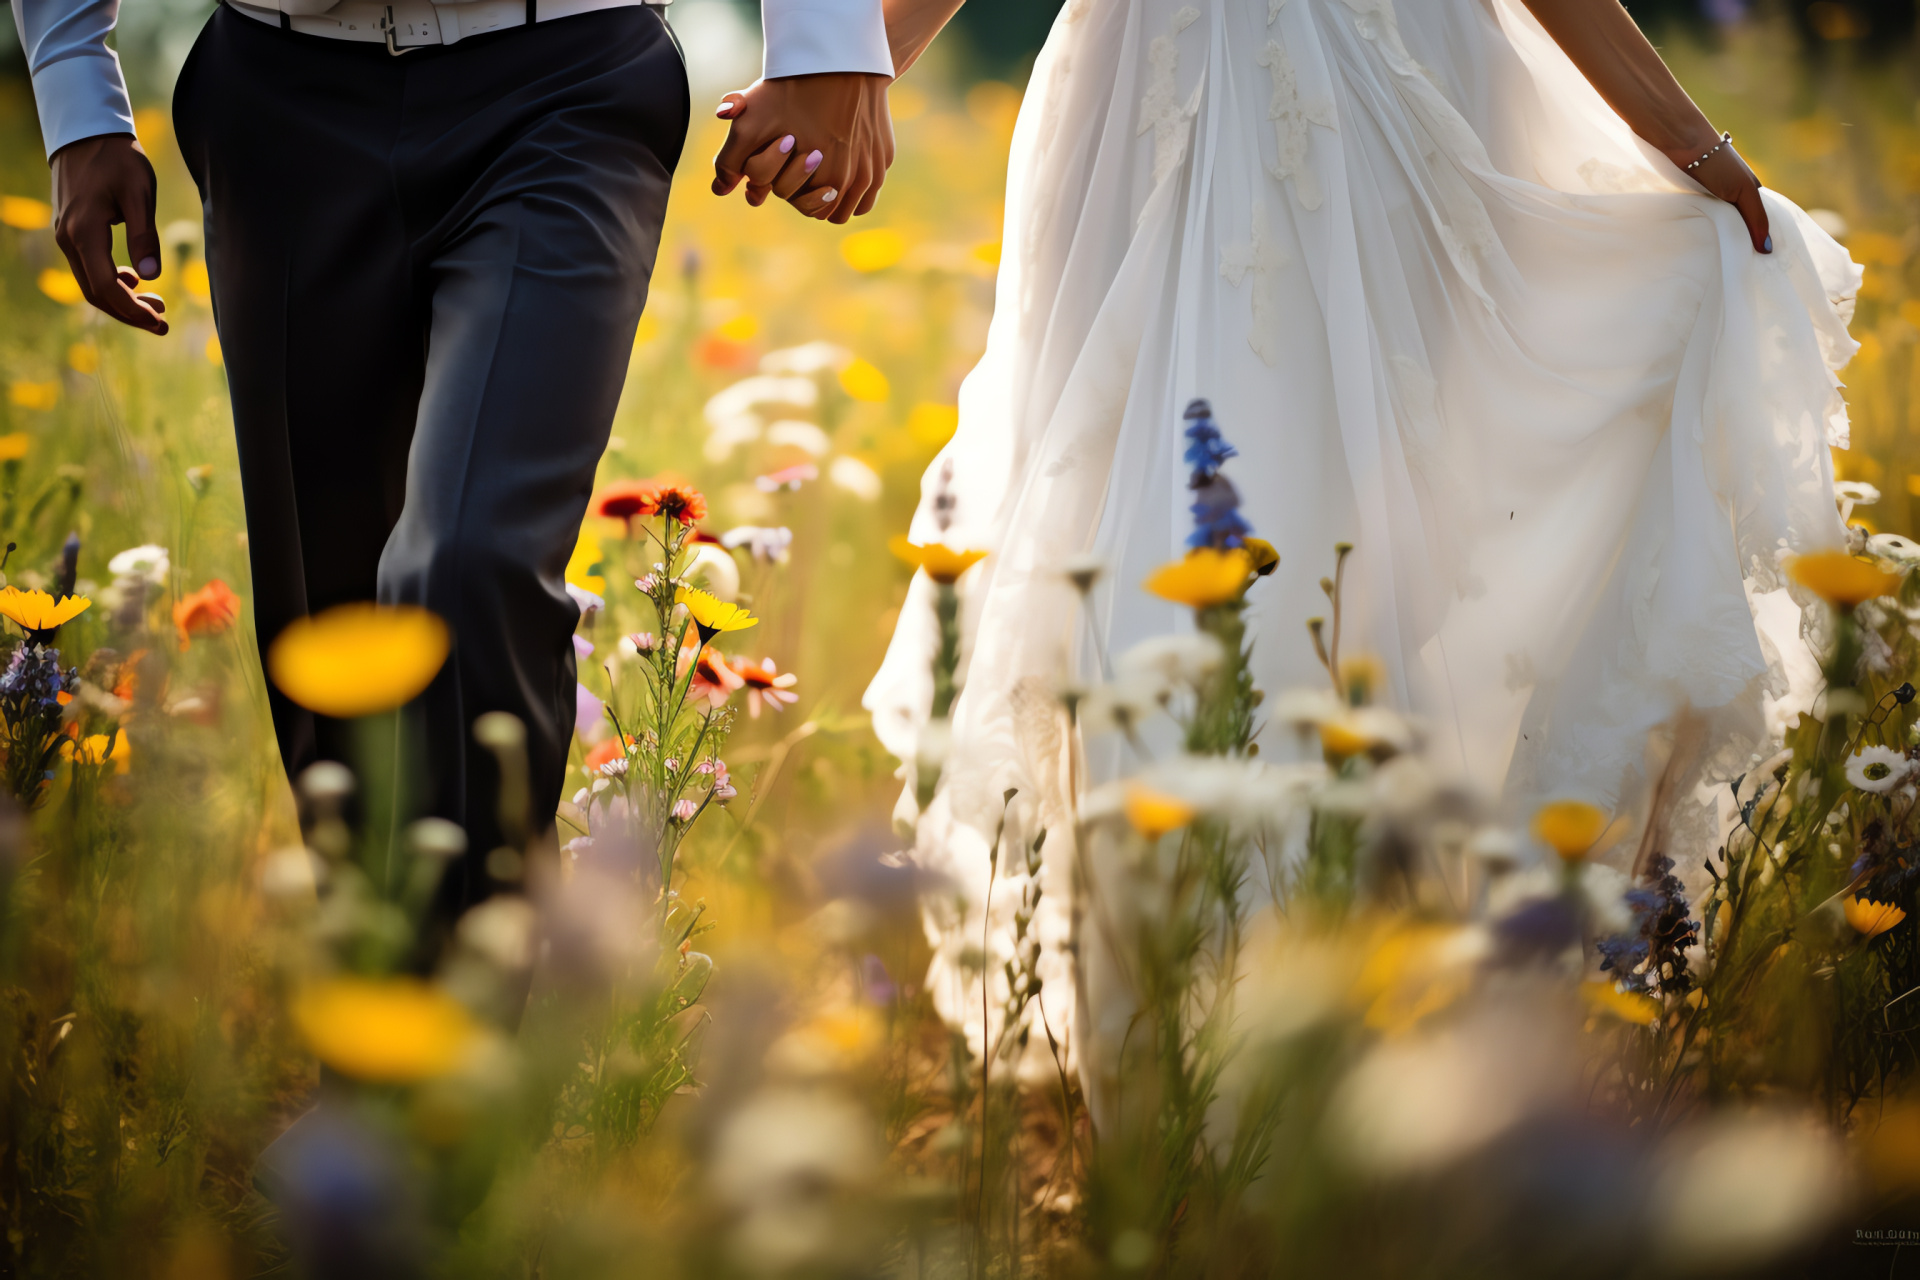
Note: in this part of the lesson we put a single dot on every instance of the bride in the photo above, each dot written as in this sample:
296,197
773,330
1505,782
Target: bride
1470,284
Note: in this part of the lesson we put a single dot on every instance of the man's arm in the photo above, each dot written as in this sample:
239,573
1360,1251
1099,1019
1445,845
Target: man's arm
100,175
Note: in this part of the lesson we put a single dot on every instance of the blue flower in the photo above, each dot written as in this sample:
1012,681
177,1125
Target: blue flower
1217,521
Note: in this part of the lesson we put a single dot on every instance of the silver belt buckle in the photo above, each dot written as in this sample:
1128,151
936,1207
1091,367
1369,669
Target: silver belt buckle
386,29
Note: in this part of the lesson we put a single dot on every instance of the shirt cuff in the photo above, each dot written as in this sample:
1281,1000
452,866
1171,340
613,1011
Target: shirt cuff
82,96
809,37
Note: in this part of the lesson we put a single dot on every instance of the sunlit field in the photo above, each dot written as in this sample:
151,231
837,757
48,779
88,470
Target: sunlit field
1443,1047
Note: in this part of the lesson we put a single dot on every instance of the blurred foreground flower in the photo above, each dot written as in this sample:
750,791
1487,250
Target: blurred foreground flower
1840,579
937,560
99,748
1878,769
208,611
1153,814
1569,827
358,659
39,614
14,446
766,684
1628,1006
149,563
1871,918
384,1030
1205,576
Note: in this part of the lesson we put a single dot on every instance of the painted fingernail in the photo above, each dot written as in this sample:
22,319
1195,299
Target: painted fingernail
786,144
724,109
829,195
813,160
1766,246
149,268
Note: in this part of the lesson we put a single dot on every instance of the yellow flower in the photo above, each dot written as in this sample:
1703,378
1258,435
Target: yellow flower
1153,814
14,446
1205,577
198,282
213,352
873,250
1871,918
1569,827
1340,739
1628,1006
937,560
987,252
98,748
83,357
712,615
1265,558
1412,972
586,554
34,395
25,213
38,613
933,424
358,659
739,329
1840,579
58,283
863,381
387,1030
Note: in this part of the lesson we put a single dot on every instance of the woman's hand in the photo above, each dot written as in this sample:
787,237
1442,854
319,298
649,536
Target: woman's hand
822,142
1726,175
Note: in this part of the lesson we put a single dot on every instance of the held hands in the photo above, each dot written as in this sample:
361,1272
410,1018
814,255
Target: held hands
98,182
1727,176
821,142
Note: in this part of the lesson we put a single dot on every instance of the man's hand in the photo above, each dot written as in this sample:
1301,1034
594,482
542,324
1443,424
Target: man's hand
98,182
823,142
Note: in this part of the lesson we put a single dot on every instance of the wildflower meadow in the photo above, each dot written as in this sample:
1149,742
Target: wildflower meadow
1378,1026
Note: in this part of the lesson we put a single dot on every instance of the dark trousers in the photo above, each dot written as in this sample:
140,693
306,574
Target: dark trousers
427,270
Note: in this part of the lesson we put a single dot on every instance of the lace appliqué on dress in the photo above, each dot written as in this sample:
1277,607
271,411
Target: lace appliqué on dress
1259,257
1161,111
1291,117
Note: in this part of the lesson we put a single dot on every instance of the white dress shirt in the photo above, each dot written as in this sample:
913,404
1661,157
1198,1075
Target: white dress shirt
80,92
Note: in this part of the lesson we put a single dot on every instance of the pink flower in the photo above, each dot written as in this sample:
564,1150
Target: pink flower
712,679
647,583
723,789
587,709
582,647
766,683
684,809
788,477
643,641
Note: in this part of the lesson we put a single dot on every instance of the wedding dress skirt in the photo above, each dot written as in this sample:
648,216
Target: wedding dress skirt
1449,309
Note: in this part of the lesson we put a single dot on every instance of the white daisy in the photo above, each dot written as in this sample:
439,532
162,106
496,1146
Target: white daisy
1878,769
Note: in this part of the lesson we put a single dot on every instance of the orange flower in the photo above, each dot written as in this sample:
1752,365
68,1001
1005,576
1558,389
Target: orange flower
208,611
766,683
625,499
713,678
610,750
680,502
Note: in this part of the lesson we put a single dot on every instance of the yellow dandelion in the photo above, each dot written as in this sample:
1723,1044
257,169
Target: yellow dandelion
39,614
33,395
83,357
874,250
586,554
358,660
14,446
24,213
198,282
1153,813
938,561
58,283
1628,1006
864,381
1569,827
1871,918
385,1030
100,748
712,615
1206,576
1840,579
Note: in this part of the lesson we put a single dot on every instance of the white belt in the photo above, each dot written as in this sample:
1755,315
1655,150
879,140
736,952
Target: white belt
413,24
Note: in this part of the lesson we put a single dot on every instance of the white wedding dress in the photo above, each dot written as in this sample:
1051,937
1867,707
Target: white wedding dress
1448,308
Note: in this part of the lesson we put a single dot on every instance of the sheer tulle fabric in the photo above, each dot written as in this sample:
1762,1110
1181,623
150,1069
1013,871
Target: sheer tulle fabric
1449,309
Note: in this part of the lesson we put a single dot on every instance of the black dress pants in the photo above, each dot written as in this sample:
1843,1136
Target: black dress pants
427,270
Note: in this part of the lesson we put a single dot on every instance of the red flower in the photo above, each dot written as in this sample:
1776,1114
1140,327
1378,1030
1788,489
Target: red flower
712,679
208,611
625,499
680,502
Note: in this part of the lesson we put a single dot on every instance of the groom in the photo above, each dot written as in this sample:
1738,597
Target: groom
430,229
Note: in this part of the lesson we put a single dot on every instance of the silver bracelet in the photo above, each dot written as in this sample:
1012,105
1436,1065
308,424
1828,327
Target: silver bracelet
1725,138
